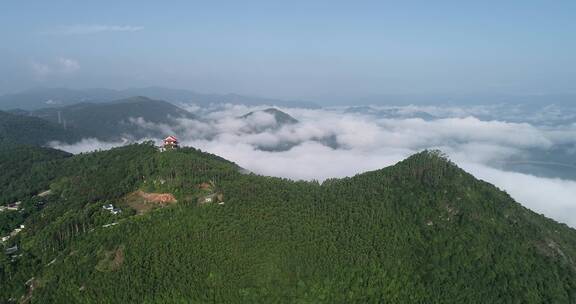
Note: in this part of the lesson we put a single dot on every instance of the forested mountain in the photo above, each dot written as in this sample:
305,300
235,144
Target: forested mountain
56,97
266,120
194,229
281,118
116,119
24,171
21,129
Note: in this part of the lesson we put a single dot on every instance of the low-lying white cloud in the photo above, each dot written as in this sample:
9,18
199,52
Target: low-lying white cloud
86,145
551,197
336,142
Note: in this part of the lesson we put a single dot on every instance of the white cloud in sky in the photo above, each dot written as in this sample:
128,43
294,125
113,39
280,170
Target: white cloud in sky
68,65
368,142
84,29
59,67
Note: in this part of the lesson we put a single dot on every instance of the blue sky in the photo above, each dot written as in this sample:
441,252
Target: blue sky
292,49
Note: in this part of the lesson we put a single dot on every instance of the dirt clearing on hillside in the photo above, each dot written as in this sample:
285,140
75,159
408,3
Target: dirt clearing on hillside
143,202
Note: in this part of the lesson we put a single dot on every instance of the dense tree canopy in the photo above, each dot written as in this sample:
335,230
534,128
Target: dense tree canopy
20,129
422,231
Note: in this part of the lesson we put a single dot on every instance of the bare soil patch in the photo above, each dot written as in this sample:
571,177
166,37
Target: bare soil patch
143,202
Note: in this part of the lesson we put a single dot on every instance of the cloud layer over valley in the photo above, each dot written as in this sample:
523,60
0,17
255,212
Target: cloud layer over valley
335,142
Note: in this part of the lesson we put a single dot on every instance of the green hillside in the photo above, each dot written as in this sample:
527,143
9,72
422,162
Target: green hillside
422,231
112,120
20,129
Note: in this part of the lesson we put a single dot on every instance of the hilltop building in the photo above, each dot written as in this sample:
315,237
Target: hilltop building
170,142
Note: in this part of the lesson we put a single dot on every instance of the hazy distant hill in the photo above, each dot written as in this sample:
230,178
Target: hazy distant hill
113,120
532,100
393,113
55,97
280,118
20,129
186,96
421,231
257,122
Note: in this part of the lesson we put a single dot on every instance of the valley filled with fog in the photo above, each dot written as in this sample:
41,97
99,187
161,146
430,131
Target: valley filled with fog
528,151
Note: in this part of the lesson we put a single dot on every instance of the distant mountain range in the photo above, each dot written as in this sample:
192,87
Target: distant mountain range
125,119
389,113
532,100
112,120
55,97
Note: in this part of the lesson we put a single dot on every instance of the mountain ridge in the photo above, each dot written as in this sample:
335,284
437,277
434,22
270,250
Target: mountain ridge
420,230
34,99
116,119
281,117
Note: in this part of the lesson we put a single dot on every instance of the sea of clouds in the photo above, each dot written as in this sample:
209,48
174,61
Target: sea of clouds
344,141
